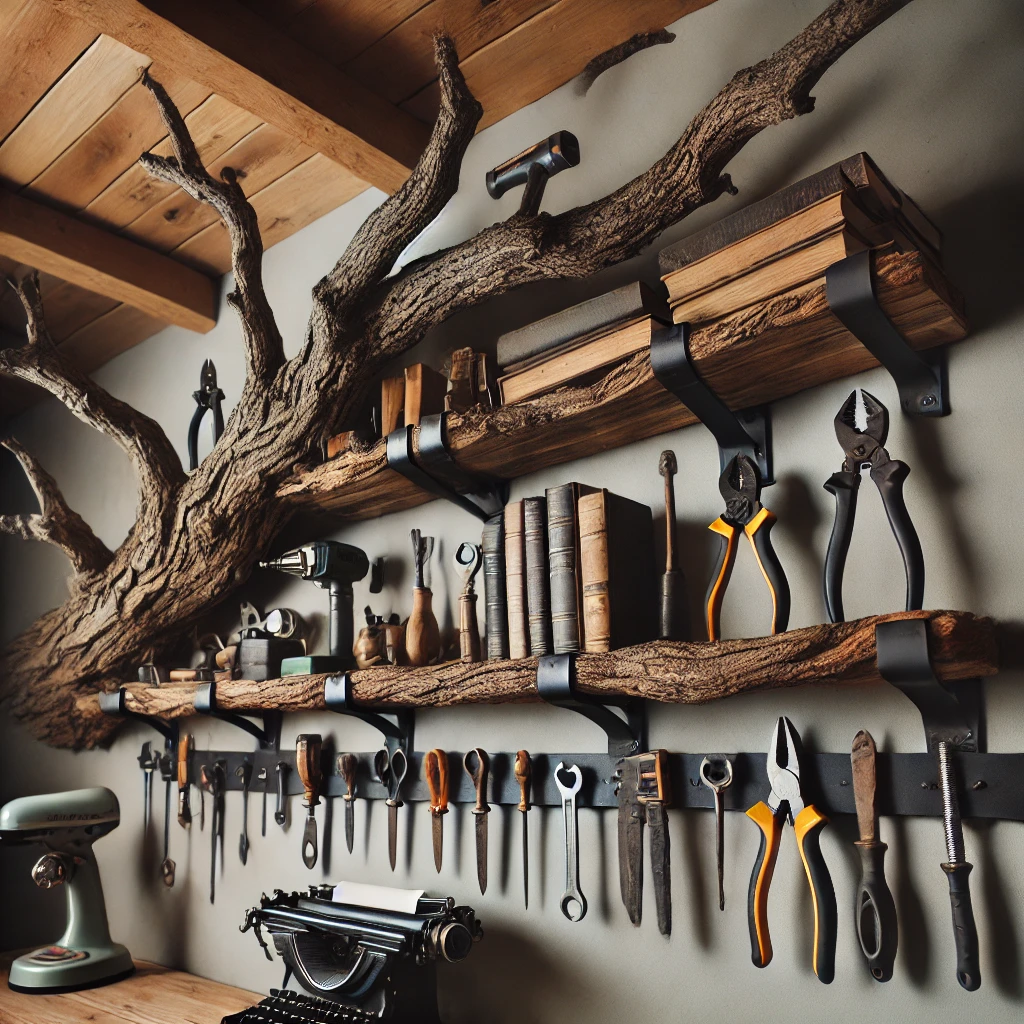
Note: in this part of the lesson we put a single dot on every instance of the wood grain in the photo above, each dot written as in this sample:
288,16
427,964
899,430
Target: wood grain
108,335
962,646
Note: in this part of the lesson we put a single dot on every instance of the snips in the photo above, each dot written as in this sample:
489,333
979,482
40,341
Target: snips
786,799
208,397
865,449
740,484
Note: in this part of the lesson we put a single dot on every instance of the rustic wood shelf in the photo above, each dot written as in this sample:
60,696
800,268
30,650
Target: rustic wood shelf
744,363
961,645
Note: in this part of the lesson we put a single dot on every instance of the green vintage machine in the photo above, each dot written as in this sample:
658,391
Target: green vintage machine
67,824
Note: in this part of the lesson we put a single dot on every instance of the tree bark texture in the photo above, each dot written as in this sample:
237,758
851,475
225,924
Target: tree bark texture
198,537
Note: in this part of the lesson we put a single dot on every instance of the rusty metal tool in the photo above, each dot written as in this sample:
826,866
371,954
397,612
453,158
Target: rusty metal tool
347,770
168,772
244,772
573,903
468,559
673,619
875,911
308,752
523,771
435,767
716,774
477,764
186,744
391,768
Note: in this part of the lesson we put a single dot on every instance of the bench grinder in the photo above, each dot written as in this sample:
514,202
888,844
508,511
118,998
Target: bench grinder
67,824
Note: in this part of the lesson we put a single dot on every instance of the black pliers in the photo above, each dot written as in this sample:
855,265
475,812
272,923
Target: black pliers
865,449
740,484
209,396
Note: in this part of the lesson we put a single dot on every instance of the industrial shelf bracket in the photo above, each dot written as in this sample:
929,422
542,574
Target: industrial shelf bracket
116,704
397,727
205,703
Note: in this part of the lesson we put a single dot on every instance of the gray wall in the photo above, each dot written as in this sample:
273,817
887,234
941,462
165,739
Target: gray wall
934,95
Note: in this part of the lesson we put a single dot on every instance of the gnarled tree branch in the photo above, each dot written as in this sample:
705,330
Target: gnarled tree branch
264,349
55,522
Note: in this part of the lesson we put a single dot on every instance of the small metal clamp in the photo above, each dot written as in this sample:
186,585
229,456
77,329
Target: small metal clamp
922,382
556,684
737,433
397,733
116,704
205,703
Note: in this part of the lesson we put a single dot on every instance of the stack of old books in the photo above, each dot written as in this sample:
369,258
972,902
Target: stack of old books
785,243
572,571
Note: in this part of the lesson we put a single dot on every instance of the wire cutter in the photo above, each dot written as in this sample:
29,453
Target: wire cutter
209,396
740,484
786,799
865,449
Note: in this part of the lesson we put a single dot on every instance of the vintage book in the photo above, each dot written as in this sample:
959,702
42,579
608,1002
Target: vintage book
424,392
617,571
515,582
605,350
563,566
626,303
392,404
495,598
538,587
780,275
857,175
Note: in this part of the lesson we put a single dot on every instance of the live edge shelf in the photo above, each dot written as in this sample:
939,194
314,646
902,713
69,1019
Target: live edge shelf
961,646
744,363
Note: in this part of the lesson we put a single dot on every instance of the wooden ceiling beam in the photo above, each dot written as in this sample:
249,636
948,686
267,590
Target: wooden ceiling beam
117,267
238,55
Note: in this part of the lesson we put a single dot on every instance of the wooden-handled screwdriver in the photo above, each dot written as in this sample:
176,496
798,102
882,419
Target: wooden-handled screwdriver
308,750
522,773
672,623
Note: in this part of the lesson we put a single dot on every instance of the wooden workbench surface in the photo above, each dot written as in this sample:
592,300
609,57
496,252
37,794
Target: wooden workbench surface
152,995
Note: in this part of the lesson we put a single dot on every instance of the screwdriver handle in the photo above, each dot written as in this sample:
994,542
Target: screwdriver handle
807,826
469,629
523,771
479,776
965,933
435,767
308,749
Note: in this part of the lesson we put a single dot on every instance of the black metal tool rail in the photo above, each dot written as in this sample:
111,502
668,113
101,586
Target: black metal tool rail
907,783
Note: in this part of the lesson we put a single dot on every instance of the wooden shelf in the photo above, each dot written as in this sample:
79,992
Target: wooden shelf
744,362
961,645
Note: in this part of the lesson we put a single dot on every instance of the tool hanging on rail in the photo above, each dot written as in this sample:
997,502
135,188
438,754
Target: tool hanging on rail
208,399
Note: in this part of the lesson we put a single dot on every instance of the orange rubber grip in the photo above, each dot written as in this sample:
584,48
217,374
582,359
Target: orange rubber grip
720,577
807,826
760,882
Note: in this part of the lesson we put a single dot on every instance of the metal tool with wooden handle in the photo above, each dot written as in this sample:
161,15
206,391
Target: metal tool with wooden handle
308,750
347,770
672,621
435,767
186,744
523,771
477,765
468,559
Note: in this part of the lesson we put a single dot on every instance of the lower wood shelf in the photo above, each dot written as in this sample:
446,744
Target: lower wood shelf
961,646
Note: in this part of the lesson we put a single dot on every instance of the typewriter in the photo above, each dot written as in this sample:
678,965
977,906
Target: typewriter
356,963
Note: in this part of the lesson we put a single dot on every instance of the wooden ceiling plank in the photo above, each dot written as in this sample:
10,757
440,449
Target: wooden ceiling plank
296,199
80,97
215,126
263,156
37,46
106,336
402,62
114,143
532,60
105,263
238,55
69,307
340,30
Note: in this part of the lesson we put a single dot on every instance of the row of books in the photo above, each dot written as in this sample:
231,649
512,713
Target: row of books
571,571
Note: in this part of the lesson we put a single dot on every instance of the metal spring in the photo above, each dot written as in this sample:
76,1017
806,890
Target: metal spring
950,806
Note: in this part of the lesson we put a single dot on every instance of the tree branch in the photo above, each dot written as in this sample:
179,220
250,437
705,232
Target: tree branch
589,238
55,523
156,463
264,349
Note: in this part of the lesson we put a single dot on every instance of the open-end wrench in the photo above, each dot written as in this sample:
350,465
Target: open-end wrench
573,903
244,772
716,774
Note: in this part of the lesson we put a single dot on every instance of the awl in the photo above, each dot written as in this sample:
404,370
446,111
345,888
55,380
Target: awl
435,766
308,750
477,764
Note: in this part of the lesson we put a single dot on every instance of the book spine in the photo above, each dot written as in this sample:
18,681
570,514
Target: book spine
515,582
495,600
565,625
597,622
538,594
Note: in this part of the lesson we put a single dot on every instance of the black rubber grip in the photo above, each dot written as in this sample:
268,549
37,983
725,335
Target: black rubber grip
774,573
877,925
826,917
965,933
724,562
889,481
193,438
845,487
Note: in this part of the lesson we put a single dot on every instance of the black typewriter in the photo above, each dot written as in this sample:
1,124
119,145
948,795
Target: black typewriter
356,963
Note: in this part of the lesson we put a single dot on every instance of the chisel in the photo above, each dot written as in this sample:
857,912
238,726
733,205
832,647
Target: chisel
308,749
478,773
347,770
672,621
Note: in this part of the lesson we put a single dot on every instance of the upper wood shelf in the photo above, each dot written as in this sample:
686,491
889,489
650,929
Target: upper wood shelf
961,645
745,363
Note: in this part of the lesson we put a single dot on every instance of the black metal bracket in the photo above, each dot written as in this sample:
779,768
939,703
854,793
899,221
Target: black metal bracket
205,703
738,433
436,472
949,711
556,684
398,733
116,704
921,381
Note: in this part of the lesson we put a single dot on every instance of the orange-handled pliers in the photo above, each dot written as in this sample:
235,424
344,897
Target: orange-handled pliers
785,798
740,484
